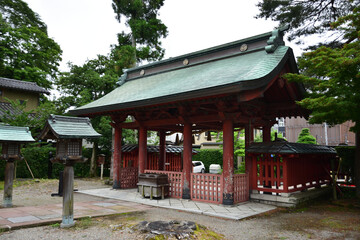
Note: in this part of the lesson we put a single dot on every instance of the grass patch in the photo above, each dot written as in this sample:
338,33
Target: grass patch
203,233
84,223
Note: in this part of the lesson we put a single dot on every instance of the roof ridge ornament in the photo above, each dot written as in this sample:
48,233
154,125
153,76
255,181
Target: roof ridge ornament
275,41
122,78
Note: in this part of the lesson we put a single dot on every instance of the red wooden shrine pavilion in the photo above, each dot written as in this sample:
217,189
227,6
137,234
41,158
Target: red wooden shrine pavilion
234,85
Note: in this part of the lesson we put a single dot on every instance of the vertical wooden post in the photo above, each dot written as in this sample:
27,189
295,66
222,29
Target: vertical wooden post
162,150
228,162
8,183
187,161
117,157
266,133
68,197
142,149
249,138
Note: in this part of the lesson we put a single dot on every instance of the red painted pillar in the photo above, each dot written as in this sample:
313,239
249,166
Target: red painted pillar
117,157
249,138
142,148
187,161
162,150
266,133
228,162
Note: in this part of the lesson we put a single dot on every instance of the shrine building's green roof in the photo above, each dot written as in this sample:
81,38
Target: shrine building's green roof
15,134
68,127
230,68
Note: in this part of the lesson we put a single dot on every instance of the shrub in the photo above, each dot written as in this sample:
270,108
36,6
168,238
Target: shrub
209,156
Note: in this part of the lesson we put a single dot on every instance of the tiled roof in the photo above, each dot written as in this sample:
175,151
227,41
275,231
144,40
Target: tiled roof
69,127
21,85
230,68
284,147
7,108
15,134
155,149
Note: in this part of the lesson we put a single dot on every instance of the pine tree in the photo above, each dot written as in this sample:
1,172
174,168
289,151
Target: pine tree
306,137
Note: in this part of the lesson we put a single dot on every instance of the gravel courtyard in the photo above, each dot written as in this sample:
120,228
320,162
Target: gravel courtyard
321,220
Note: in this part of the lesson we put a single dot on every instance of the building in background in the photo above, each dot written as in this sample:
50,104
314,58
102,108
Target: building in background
19,90
325,135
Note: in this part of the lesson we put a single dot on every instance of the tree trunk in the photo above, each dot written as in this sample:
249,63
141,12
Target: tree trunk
93,161
357,164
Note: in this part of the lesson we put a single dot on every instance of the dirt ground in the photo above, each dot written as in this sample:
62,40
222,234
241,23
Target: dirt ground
321,220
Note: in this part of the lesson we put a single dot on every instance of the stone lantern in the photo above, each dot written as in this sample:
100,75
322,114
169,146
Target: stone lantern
11,139
68,133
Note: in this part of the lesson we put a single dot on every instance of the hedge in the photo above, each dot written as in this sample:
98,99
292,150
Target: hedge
38,157
209,156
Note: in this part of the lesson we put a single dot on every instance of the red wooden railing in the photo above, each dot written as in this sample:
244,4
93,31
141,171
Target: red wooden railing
288,173
129,177
175,180
241,188
207,187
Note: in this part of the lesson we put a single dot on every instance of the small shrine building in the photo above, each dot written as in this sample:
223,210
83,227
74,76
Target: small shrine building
238,85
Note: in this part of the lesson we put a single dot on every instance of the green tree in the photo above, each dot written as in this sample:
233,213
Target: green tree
26,51
306,137
143,42
84,84
34,119
332,74
309,17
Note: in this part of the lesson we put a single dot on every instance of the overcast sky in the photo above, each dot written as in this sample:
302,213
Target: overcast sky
85,28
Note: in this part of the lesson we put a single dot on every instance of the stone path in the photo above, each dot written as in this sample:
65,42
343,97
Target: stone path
236,212
18,217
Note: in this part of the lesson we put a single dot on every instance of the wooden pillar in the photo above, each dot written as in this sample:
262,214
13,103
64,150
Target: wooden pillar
8,183
162,150
68,197
142,148
187,161
249,138
266,133
117,158
228,162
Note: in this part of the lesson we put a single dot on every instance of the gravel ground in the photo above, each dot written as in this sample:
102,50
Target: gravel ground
323,220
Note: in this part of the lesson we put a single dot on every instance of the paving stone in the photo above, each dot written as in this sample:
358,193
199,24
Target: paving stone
104,204
23,219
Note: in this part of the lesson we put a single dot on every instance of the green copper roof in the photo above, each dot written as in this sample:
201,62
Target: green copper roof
69,127
213,75
15,134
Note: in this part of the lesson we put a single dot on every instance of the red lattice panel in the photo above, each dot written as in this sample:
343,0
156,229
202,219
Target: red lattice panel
241,188
129,177
175,181
207,188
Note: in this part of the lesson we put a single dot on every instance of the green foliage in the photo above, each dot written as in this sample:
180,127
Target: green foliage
259,137
35,119
239,142
347,155
143,42
37,156
333,78
308,17
306,137
209,156
26,51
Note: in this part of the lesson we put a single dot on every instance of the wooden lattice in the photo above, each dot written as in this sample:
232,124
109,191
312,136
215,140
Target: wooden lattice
129,177
207,187
175,181
241,188
13,149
